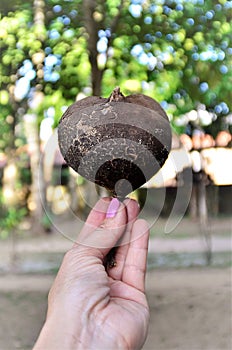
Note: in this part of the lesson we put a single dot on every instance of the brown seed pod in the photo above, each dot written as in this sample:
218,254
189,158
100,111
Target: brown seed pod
118,143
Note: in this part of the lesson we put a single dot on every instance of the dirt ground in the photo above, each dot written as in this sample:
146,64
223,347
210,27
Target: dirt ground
190,309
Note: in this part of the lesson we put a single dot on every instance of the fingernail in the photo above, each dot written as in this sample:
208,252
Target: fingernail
112,208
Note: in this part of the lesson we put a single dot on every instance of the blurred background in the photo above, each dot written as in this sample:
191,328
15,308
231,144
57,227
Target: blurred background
178,52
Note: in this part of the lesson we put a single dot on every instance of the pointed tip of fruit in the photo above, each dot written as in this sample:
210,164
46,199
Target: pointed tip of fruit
116,95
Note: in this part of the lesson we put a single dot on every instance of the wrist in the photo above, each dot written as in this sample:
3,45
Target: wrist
54,336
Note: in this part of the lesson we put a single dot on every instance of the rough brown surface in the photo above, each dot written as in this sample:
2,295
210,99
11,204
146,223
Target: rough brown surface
107,140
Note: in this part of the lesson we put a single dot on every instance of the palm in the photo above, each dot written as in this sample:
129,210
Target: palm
115,313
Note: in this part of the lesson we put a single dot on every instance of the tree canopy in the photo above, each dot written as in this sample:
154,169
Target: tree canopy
178,52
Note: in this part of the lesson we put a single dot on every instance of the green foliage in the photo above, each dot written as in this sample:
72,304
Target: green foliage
10,217
176,52
46,222
191,40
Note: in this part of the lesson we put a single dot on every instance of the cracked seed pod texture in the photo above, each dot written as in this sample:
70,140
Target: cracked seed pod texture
118,143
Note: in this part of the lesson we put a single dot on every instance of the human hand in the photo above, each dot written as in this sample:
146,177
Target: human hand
90,307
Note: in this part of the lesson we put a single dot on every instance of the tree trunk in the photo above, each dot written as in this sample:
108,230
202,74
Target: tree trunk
37,187
193,203
92,26
202,207
203,218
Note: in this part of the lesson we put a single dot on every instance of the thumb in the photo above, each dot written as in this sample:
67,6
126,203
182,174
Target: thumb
110,226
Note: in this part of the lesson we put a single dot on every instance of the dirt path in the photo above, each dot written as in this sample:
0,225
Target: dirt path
190,309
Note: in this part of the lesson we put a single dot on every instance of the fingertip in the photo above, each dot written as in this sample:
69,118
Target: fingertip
115,214
132,208
131,201
112,208
98,212
106,199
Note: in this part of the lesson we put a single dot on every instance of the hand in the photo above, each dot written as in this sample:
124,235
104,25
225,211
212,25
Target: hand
90,307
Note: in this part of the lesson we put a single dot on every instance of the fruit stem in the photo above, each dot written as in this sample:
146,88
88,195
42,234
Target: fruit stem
116,95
